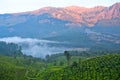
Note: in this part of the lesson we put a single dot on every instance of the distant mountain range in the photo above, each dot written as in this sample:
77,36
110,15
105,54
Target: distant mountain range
78,26
72,16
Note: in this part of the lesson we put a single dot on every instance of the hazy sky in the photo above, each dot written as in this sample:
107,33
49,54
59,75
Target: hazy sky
11,6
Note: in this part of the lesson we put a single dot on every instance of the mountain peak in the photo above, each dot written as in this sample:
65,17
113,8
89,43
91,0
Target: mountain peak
76,8
81,16
116,5
99,7
73,7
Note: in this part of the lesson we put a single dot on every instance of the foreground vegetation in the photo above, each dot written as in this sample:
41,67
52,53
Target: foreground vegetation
98,68
70,65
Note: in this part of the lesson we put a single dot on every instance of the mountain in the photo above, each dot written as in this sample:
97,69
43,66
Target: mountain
74,15
77,26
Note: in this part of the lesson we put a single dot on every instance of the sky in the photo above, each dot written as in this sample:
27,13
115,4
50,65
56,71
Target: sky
13,6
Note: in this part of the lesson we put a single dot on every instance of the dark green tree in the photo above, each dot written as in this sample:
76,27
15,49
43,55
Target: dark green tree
68,57
61,63
14,55
55,63
47,58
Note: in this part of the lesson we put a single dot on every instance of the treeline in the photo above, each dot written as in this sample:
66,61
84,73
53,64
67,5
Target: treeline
10,49
86,54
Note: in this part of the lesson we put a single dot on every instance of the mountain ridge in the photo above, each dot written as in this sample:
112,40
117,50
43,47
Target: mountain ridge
75,15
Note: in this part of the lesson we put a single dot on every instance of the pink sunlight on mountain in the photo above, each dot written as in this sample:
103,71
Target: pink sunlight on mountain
76,15
82,15
14,6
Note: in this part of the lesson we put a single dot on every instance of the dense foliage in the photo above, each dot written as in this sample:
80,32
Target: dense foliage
10,49
98,68
19,68
80,54
28,68
70,65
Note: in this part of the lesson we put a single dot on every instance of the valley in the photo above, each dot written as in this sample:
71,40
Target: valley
61,43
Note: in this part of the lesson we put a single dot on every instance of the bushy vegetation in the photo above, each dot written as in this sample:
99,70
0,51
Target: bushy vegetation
16,66
98,68
70,65
20,68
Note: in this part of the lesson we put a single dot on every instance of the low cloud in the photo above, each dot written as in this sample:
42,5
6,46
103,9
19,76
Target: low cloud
39,48
35,47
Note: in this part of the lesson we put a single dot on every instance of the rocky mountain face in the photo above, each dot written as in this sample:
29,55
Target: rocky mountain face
72,15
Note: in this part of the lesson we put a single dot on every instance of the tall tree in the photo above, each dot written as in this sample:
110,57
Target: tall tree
68,57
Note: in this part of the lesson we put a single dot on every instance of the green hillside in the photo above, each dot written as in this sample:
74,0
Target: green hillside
19,68
70,65
98,68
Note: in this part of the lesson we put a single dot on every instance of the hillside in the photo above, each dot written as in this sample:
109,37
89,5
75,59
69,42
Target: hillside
21,68
82,65
97,68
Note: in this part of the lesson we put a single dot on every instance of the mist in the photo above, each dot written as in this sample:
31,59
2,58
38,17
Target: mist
38,47
35,47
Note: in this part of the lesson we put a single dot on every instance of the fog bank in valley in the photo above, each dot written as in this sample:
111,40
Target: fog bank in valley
35,47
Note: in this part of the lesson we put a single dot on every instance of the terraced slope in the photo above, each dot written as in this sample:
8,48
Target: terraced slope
98,68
